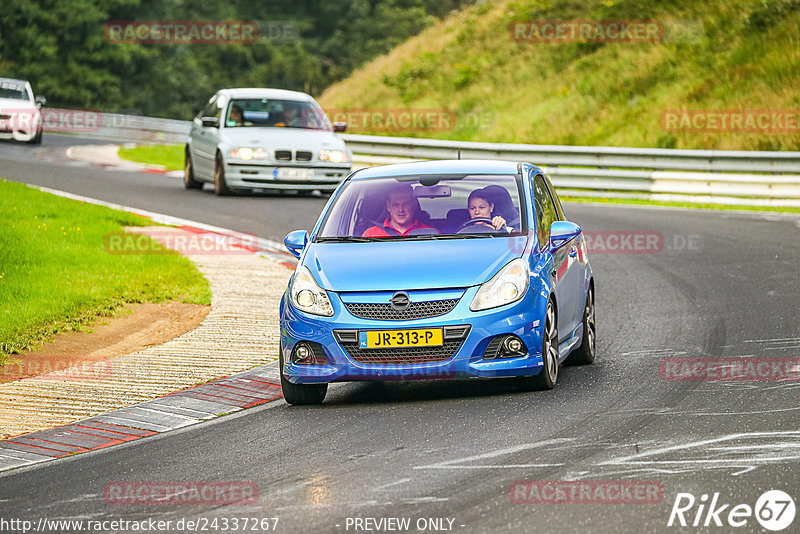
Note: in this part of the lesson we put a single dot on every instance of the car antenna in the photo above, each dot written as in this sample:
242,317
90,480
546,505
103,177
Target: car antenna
459,152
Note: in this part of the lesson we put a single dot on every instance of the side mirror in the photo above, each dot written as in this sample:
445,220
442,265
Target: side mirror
562,232
339,126
40,101
210,122
296,241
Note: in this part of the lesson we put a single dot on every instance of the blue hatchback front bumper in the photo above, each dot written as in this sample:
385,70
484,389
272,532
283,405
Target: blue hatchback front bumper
523,318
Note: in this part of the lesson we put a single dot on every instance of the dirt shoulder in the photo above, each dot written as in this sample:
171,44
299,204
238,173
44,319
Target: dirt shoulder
136,327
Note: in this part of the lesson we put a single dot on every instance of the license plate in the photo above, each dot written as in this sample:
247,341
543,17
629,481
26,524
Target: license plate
288,172
389,339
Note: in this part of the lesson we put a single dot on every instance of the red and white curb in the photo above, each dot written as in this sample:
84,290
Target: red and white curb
183,408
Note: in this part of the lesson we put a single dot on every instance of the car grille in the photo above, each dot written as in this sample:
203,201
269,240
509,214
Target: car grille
287,155
406,356
386,312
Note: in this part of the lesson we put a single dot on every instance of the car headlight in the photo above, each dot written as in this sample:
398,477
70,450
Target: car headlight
246,153
334,156
505,287
307,296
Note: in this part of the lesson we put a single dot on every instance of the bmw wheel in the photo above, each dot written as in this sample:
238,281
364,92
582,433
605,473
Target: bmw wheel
220,187
188,174
301,393
37,139
584,355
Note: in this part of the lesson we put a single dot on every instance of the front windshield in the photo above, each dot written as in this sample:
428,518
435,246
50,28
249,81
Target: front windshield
13,90
426,207
267,112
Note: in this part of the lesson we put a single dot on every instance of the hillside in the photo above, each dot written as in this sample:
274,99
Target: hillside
708,58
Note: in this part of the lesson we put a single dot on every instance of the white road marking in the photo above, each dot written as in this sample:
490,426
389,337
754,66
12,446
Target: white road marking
779,442
455,464
390,484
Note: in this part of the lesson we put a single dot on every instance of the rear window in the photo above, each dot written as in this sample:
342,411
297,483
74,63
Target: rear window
426,207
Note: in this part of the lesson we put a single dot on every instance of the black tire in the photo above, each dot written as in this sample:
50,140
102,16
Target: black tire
37,139
220,187
584,355
188,173
300,394
547,378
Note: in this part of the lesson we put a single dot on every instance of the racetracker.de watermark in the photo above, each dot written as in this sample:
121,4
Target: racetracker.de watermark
52,119
63,369
631,242
586,31
586,492
170,32
733,368
180,493
168,240
407,119
784,121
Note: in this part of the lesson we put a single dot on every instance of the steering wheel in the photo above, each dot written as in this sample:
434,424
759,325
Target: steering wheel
477,222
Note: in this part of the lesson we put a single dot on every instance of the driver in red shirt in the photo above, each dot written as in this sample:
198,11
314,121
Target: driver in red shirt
404,210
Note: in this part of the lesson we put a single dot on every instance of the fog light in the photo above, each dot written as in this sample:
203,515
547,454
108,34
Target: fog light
308,353
302,352
513,344
513,347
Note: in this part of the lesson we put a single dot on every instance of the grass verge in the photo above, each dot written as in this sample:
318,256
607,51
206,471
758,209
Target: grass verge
56,275
677,204
170,156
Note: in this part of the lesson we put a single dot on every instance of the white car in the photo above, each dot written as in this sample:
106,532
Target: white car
247,139
20,112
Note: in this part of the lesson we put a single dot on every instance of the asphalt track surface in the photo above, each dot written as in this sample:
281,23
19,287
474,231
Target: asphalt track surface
722,285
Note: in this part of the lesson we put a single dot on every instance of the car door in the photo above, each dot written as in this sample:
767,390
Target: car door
205,140
575,278
559,268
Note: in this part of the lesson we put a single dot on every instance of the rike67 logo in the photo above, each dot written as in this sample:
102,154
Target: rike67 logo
774,510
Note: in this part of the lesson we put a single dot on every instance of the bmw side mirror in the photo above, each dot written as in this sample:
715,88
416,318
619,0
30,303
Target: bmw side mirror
296,241
562,232
40,101
339,126
210,122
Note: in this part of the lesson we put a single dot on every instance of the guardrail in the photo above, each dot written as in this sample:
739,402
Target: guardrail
709,176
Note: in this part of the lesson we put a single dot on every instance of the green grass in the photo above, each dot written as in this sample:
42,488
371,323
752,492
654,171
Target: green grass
170,156
716,55
55,274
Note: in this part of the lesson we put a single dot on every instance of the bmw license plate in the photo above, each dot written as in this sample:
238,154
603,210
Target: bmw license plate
290,172
389,339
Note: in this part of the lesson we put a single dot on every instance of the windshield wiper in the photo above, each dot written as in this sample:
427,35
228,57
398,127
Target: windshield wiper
428,237
346,239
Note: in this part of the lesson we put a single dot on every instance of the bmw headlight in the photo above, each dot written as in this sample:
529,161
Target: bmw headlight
334,156
247,153
307,296
505,287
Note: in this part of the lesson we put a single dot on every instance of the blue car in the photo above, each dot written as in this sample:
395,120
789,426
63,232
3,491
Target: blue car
437,270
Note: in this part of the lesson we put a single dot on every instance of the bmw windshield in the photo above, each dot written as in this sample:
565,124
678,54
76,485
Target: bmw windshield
272,113
421,207
13,90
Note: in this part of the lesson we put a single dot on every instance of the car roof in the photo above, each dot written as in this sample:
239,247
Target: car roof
13,80
455,166
261,92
